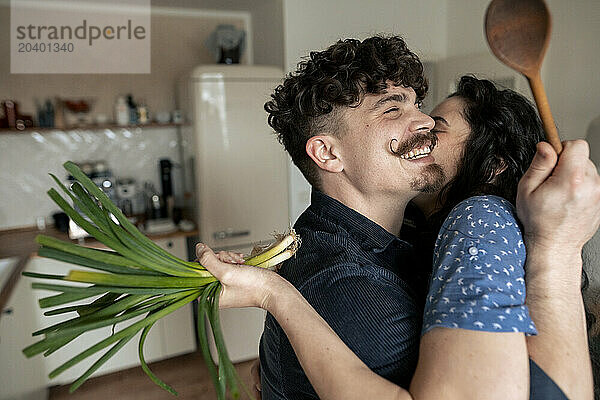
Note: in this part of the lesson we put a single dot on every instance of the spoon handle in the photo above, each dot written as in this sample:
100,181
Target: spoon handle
539,94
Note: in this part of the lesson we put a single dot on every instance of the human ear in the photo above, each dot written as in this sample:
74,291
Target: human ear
323,151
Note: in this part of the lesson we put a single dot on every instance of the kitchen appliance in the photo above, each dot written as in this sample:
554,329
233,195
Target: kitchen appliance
127,194
157,220
154,202
166,184
236,171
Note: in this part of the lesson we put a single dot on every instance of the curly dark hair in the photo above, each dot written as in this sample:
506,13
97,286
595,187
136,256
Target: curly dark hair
307,101
505,129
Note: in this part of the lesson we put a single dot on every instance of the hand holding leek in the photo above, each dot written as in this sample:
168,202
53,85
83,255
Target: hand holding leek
138,278
242,285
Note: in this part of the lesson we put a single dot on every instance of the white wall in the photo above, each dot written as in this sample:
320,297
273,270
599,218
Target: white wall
315,24
570,65
177,45
267,23
27,158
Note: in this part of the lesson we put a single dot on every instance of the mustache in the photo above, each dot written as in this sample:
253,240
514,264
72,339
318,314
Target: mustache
416,141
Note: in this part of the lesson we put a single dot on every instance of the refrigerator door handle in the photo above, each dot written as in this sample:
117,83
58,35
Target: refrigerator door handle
229,233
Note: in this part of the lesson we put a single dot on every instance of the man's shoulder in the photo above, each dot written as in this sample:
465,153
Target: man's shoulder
329,255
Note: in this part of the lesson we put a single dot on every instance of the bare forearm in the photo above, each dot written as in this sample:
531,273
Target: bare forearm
556,307
332,368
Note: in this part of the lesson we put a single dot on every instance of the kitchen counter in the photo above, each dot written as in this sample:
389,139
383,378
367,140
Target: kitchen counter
17,246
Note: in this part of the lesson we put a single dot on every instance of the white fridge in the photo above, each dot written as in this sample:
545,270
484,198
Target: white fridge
237,172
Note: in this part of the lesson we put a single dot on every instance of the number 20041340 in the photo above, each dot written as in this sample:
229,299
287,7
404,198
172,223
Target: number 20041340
41,47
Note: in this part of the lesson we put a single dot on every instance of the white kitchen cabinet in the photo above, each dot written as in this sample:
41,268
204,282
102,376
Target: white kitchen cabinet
177,329
170,336
20,378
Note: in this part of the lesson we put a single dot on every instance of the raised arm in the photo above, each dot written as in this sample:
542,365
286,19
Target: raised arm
560,211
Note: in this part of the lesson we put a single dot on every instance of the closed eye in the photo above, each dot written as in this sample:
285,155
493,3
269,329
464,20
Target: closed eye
391,110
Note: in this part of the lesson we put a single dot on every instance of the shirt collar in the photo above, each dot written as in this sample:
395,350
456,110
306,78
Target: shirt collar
369,234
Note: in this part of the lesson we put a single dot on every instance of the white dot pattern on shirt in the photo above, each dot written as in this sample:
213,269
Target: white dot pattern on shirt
478,278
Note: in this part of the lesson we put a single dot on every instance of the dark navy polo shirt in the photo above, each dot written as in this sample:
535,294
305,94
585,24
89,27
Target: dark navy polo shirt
360,279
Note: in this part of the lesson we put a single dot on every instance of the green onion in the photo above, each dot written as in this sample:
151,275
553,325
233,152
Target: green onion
136,278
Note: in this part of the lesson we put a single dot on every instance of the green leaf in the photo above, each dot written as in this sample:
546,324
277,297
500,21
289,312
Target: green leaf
130,308
59,343
138,280
63,310
138,248
98,304
110,241
202,334
108,257
130,330
91,263
109,311
69,295
113,350
42,276
145,367
91,208
224,362
110,207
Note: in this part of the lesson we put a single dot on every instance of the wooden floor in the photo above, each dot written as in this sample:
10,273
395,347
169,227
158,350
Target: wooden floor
186,374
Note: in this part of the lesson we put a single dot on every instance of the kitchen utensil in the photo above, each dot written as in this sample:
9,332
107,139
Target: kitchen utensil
518,32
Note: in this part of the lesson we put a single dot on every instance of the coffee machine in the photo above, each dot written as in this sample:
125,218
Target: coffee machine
159,206
166,182
128,196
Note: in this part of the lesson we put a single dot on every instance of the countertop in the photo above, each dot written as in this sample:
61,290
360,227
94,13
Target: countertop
17,246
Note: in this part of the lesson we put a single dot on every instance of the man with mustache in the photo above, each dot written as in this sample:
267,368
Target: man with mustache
350,119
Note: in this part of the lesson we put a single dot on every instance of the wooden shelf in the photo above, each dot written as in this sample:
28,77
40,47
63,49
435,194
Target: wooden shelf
152,125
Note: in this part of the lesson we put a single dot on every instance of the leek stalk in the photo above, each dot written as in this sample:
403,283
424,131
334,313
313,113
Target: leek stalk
136,278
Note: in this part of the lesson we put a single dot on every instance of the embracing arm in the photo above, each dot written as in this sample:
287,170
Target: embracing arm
475,319
332,368
559,208
337,373
465,364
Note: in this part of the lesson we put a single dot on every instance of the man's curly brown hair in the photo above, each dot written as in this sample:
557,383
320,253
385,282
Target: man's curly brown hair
307,102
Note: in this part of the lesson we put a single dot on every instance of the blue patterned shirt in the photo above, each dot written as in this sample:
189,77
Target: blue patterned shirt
478,281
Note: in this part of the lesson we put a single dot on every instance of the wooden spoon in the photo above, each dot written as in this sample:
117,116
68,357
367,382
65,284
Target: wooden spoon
518,32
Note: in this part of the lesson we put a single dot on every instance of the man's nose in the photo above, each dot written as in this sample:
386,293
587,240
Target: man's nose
422,123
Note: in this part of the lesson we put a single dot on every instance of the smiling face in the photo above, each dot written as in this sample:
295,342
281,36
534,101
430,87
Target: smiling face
385,145
452,131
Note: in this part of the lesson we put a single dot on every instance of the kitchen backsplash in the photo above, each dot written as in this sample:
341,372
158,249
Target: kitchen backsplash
27,158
